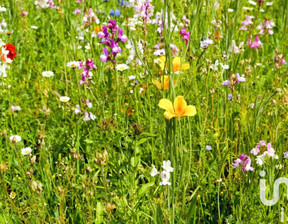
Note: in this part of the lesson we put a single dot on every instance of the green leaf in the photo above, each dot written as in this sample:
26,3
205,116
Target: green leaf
145,187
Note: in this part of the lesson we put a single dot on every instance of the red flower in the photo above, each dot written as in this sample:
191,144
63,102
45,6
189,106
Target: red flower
11,54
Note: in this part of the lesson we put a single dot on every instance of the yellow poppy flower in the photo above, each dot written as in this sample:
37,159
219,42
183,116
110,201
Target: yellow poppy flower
164,82
176,63
179,109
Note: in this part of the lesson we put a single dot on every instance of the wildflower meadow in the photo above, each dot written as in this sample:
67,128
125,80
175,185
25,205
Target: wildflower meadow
143,111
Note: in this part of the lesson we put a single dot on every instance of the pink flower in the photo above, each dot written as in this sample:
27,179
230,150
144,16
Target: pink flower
243,162
256,44
77,11
23,14
185,35
246,23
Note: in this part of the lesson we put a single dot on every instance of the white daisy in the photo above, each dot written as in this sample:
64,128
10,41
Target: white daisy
64,99
121,67
47,74
26,151
73,64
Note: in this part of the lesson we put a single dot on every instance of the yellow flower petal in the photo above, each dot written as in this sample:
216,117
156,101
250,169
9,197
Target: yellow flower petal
168,115
162,61
157,83
166,82
185,66
190,111
166,105
180,106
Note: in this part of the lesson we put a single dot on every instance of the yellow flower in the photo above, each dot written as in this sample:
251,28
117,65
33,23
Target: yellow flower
164,82
180,108
12,195
176,63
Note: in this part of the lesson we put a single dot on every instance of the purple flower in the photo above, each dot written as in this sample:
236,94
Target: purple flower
116,13
86,67
230,96
111,38
104,57
244,163
226,83
185,35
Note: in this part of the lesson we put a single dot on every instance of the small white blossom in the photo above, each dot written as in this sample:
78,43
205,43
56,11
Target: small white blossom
15,138
26,151
64,99
47,73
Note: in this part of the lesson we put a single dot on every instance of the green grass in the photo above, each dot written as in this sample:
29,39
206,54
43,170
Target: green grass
81,190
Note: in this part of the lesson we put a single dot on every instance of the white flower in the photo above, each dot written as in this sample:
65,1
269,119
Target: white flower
15,108
248,8
34,27
205,43
2,9
26,151
86,117
15,138
260,159
255,151
167,166
47,73
64,99
77,109
230,10
73,64
132,77
87,47
3,70
225,67
165,176
279,166
215,66
154,171
131,91
269,3
159,52
219,180
92,116
285,155
252,2
121,67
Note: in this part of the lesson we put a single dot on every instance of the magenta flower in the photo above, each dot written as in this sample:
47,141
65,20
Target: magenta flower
244,163
111,36
185,35
256,44
86,67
